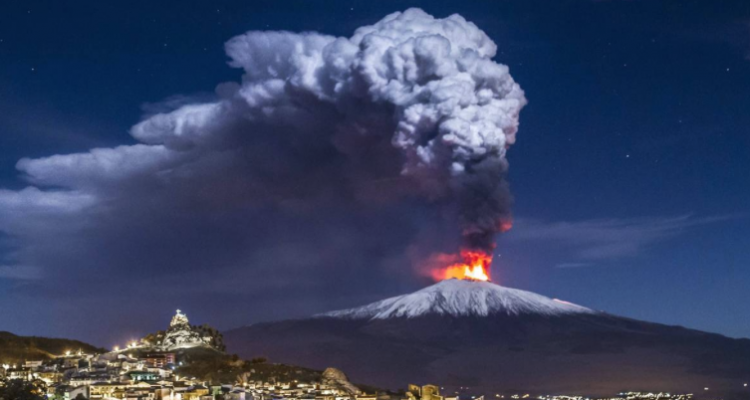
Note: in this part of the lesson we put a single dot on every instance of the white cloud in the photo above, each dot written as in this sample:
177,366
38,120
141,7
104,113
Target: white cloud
33,201
98,166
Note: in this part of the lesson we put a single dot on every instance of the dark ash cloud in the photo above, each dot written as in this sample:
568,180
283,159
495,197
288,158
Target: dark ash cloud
319,171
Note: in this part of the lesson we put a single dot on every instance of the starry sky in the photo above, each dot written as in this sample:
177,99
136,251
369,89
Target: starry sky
629,175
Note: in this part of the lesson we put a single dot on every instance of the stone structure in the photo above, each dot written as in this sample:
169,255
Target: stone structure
336,378
428,392
179,319
181,334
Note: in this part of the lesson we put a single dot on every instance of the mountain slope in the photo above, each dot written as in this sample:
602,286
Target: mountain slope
457,298
16,349
496,339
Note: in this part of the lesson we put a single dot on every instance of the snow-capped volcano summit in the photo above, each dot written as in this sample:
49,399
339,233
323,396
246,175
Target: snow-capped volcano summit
456,298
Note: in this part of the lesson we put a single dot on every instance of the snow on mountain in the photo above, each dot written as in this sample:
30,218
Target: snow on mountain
461,298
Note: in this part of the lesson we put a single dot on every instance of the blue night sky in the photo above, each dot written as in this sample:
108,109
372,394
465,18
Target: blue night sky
629,174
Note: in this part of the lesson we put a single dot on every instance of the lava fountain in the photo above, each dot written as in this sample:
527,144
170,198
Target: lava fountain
474,265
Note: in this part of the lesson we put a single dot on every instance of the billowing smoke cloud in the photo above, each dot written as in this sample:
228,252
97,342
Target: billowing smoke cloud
409,111
424,86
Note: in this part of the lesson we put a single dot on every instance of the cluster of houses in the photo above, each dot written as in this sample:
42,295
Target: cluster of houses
152,376
119,376
112,375
149,370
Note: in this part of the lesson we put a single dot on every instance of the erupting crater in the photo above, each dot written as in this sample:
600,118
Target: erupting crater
474,266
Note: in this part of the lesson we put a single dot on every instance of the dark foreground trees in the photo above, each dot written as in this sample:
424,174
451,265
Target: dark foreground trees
19,389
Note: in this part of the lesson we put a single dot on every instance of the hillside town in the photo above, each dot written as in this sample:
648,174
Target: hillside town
152,369
149,369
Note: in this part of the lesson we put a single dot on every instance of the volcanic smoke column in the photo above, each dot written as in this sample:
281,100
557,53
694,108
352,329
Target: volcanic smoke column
459,134
411,95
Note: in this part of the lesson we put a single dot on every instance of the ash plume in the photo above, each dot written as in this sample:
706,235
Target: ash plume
427,86
322,137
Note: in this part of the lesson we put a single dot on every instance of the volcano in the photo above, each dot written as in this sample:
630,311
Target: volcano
494,339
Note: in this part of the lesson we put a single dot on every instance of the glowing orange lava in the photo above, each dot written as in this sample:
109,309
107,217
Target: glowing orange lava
475,266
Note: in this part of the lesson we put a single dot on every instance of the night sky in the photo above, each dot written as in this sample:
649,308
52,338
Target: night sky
629,174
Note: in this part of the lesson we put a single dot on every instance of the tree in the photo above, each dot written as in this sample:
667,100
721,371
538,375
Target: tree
19,389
